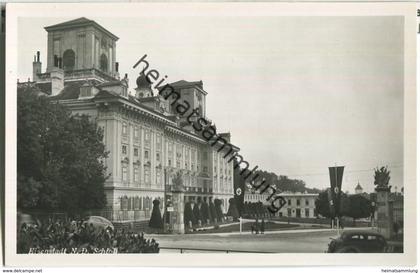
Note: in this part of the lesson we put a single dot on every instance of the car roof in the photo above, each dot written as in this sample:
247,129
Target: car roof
100,218
361,232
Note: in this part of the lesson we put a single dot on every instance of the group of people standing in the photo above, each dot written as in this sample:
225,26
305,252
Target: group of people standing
258,227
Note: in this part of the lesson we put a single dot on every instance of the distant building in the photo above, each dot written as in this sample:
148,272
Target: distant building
299,205
358,189
253,196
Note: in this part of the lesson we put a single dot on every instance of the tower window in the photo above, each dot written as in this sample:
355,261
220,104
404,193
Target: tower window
104,63
69,59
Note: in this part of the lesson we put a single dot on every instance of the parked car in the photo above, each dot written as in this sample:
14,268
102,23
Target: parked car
98,222
352,241
29,220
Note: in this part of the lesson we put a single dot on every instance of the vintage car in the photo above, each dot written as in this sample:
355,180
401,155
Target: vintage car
27,219
358,241
98,222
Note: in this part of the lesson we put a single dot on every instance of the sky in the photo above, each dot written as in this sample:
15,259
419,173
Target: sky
297,94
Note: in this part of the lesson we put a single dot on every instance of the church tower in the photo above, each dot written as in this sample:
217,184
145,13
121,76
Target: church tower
82,44
358,189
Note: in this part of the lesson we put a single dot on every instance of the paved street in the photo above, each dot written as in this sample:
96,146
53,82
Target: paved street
294,241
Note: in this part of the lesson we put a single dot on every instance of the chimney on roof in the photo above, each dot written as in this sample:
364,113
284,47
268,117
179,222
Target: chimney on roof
57,77
36,67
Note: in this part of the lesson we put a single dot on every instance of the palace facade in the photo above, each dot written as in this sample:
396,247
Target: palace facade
148,143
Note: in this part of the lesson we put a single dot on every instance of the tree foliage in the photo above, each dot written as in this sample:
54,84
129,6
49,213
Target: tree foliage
188,214
204,211
60,157
233,211
212,212
322,204
356,206
197,213
219,210
282,182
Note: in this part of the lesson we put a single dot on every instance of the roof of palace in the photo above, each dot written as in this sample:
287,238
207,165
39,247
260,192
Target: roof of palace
80,22
185,84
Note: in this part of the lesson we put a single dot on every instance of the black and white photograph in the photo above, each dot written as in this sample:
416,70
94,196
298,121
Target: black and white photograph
219,129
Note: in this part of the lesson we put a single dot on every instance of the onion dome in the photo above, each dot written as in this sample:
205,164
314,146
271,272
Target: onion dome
142,82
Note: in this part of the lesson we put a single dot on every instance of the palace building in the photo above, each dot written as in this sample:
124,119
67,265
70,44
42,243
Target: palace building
148,143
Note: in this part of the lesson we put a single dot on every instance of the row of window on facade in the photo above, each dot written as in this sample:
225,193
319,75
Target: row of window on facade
298,213
190,156
298,202
136,154
138,203
290,202
180,150
137,137
224,165
136,176
124,151
223,186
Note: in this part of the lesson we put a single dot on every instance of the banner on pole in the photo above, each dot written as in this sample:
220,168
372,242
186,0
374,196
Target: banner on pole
336,178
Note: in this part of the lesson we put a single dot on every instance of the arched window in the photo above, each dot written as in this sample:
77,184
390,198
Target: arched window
147,205
104,63
69,59
137,203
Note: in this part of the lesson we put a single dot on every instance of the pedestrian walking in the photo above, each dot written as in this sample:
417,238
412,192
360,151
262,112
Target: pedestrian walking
256,226
262,226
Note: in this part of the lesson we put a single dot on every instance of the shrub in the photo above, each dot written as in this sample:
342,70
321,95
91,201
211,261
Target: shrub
204,210
219,211
188,214
156,218
212,210
197,214
233,211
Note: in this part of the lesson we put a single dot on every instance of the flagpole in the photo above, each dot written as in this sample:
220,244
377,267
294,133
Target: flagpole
336,211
